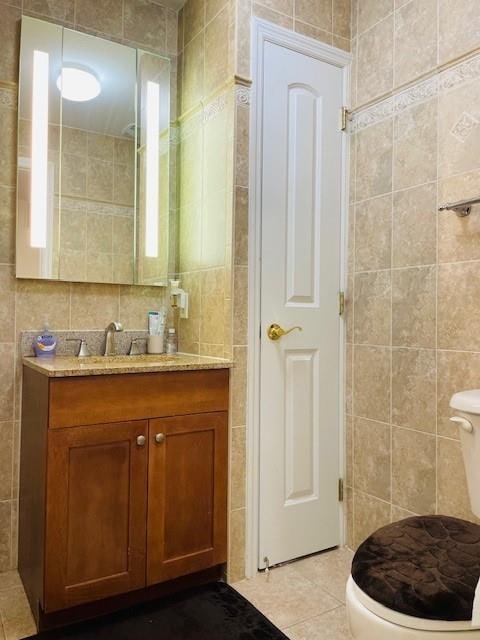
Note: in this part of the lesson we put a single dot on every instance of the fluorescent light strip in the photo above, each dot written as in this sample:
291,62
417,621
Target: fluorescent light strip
152,166
39,183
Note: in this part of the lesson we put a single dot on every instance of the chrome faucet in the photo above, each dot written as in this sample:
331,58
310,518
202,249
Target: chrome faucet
110,348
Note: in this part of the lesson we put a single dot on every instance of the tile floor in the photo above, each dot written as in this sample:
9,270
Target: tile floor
15,616
305,599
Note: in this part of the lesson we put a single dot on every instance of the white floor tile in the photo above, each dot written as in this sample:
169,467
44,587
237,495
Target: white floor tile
285,597
332,625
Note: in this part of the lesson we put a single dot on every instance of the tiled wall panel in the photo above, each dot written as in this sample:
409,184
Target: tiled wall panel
414,273
396,42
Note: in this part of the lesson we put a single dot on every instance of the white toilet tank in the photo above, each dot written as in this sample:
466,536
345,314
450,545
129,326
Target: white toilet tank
466,405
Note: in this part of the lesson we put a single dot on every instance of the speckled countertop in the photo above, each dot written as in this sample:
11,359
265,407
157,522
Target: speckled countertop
67,366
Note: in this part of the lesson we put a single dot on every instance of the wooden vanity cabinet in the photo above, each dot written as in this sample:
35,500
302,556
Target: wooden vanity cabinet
187,494
96,513
118,506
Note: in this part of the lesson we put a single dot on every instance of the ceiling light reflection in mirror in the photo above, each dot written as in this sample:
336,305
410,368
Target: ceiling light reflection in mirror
78,85
39,183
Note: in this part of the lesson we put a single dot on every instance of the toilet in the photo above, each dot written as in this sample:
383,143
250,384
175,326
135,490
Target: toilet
417,578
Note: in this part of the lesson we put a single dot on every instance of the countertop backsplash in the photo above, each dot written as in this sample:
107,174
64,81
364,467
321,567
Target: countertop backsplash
95,341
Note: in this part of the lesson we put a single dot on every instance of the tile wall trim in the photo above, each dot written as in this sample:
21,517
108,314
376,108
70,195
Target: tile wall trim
242,80
242,95
174,133
209,111
215,107
197,116
442,82
81,203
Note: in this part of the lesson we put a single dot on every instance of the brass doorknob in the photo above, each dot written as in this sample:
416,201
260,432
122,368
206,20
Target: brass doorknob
141,440
275,331
159,438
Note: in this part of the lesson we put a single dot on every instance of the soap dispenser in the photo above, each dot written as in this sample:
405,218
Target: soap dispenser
179,298
45,345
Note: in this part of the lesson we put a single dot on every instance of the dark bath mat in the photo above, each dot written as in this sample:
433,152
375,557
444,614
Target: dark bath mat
213,612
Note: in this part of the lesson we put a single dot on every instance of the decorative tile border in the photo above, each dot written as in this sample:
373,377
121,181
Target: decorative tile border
242,95
371,115
459,74
174,133
210,111
107,209
81,205
201,115
442,82
215,108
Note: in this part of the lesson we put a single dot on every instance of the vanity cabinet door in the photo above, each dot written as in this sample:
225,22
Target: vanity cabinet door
187,495
96,512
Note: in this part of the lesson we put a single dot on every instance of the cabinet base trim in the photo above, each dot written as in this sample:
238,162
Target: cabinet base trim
92,610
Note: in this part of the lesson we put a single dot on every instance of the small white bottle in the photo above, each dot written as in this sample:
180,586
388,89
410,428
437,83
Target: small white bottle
172,344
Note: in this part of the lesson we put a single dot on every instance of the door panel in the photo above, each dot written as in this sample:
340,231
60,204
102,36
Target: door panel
300,280
96,513
301,413
303,155
91,557
189,453
187,488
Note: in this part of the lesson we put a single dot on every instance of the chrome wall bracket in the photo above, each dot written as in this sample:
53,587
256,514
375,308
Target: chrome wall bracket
462,208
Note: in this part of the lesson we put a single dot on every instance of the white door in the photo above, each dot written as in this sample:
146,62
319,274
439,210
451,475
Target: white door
300,280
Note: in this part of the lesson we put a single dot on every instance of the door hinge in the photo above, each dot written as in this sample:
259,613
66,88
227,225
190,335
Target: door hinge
341,303
340,489
343,118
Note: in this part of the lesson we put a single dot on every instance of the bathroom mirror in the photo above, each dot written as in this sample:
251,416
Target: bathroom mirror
93,159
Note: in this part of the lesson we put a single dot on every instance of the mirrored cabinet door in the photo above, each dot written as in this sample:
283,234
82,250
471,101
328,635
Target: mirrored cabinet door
93,159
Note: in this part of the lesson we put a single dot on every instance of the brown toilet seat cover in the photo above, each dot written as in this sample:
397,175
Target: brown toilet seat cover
426,567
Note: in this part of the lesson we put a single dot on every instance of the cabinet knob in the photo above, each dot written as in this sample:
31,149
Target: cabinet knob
159,438
141,441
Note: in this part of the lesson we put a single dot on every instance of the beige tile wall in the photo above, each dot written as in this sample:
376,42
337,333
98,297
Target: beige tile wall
413,292
205,172
324,20
239,336
212,242
26,304
396,42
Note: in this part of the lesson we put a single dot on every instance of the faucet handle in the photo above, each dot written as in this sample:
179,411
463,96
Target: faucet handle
135,348
83,350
